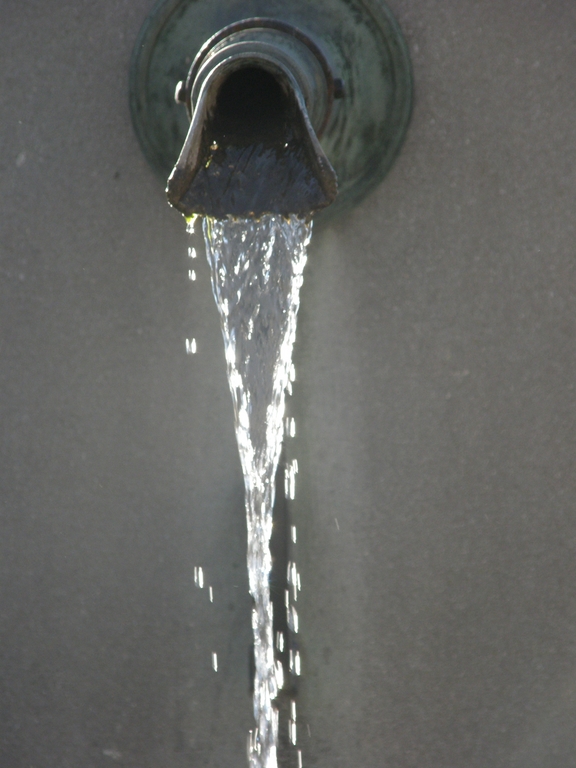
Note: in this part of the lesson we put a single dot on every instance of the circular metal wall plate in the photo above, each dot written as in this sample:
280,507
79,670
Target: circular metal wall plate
361,41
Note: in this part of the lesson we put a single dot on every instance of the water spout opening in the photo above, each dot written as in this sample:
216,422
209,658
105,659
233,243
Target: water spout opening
251,149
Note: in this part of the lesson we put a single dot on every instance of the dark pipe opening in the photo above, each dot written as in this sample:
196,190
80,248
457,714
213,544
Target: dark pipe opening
251,106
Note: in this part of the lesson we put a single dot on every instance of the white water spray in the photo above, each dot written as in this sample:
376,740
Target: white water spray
257,271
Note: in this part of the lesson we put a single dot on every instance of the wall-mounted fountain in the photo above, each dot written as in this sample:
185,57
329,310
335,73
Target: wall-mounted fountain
262,115
345,62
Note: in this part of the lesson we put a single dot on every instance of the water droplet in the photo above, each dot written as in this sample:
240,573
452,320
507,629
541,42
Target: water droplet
192,252
211,594
336,521
290,479
292,428
297,663
299,758
279,675
294,534
292,731
293,578
199,577
214,661
293,619
191,346
191,275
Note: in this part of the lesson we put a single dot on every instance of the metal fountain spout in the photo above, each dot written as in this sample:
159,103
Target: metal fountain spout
292,106
259,94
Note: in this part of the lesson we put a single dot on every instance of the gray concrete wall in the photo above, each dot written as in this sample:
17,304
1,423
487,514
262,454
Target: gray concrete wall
434,405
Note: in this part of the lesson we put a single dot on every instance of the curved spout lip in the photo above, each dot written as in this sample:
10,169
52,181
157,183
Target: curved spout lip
187,162
262,185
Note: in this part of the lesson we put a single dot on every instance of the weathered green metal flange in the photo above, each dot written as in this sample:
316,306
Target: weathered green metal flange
359,38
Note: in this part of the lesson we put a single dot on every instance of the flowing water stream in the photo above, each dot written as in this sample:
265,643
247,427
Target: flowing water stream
257,268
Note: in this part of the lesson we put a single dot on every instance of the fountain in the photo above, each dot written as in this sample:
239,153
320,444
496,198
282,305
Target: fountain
291,116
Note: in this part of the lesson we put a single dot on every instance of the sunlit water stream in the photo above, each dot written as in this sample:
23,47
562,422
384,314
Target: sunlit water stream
257,271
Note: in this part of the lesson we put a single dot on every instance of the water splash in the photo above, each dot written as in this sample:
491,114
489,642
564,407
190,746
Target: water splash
257,271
